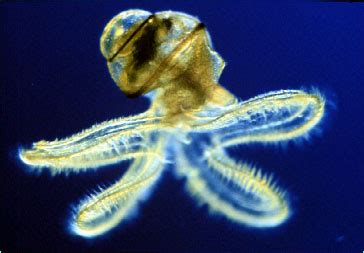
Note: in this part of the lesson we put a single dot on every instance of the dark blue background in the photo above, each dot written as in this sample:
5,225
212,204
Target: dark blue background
54,82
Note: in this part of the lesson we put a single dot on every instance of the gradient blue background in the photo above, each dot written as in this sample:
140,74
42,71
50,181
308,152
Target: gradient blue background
54,82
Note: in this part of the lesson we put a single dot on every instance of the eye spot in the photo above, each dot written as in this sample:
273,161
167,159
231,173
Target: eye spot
167,23
145,46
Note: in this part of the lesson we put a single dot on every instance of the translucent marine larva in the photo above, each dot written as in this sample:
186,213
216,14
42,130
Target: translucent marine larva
168,56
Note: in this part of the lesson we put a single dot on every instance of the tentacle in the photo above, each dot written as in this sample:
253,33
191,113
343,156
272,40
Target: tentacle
239,192
102,144
101,212
275,116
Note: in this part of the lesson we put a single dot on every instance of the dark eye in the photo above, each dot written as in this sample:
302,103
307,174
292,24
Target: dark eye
167,23
145,46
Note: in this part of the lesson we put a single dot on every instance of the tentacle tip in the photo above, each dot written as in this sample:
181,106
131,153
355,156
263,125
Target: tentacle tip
22,156
31,163
74,225
25,160
74,229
